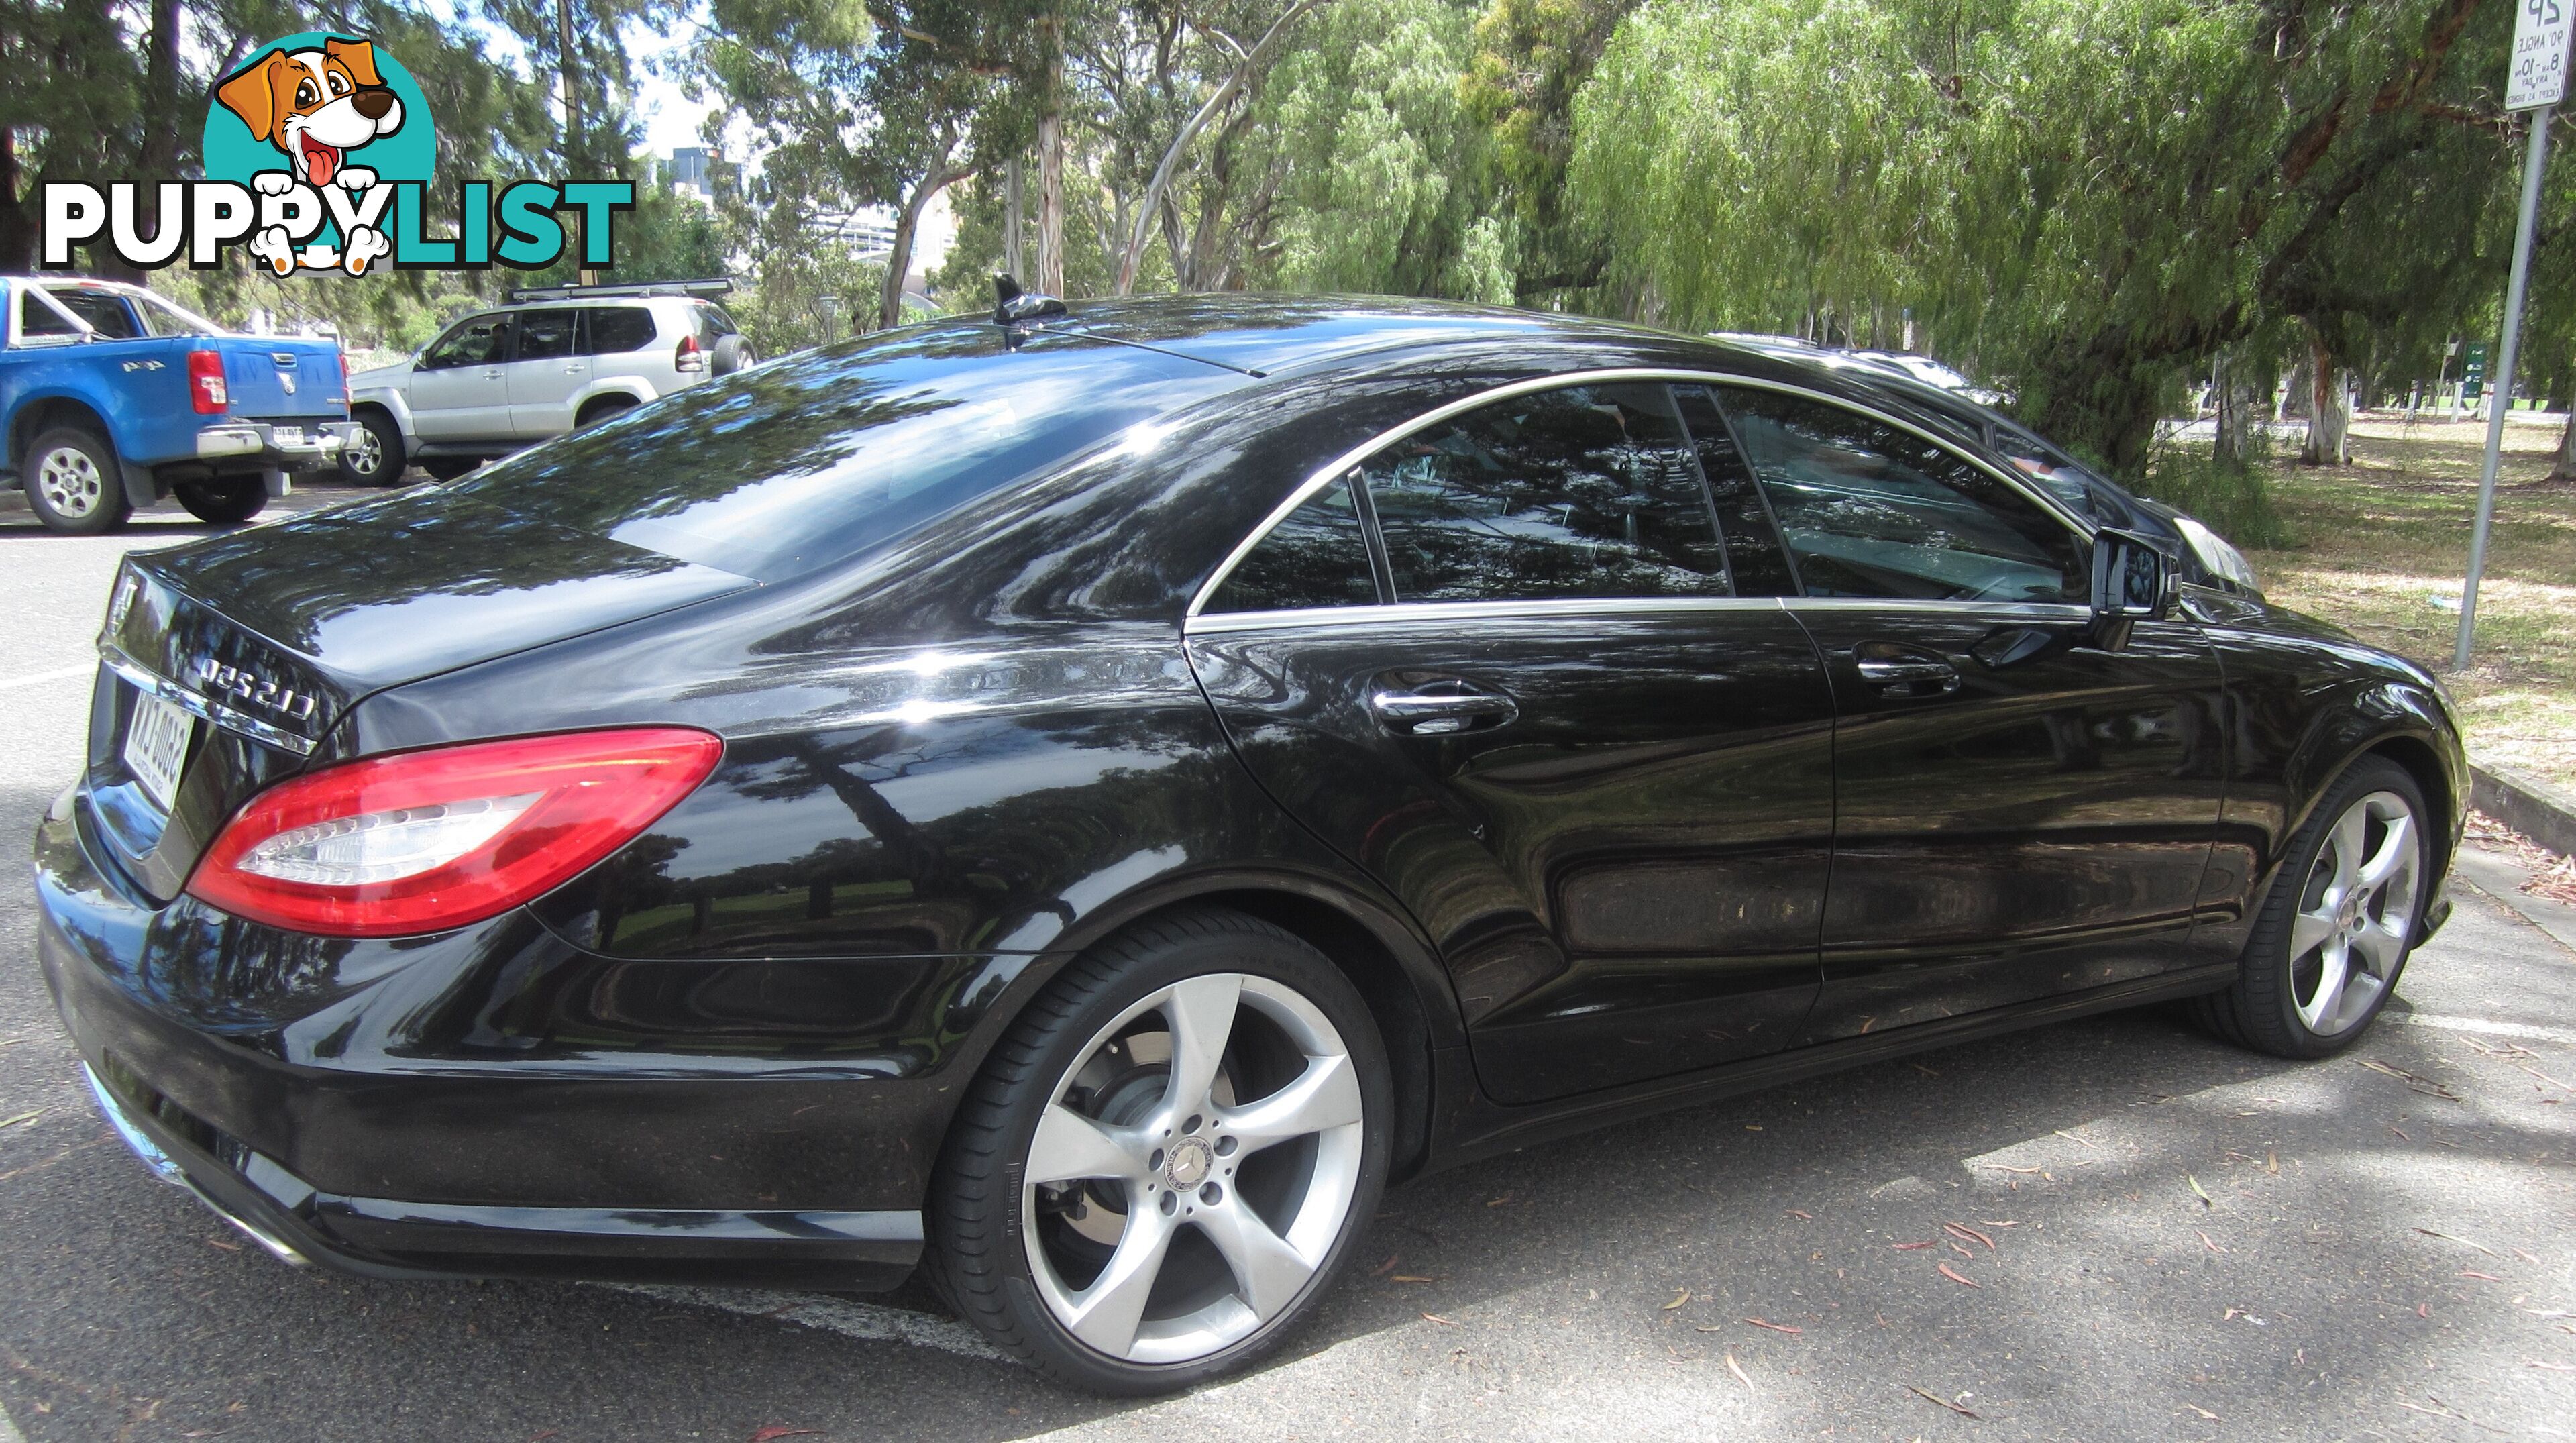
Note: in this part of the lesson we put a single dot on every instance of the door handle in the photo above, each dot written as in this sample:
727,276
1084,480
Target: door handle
576,370
1907,677
1450,708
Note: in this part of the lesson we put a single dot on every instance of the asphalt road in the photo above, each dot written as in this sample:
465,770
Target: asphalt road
2133,1230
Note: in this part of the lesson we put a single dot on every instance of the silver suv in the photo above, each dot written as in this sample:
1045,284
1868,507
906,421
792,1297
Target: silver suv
550,361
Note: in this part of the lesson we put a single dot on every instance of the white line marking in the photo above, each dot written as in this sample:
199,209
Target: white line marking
2491,1029
30,679
872,1321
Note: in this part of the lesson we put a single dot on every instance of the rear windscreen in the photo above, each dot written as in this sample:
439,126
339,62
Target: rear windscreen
818,456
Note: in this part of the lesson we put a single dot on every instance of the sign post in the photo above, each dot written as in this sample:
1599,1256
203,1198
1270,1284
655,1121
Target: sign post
2536,82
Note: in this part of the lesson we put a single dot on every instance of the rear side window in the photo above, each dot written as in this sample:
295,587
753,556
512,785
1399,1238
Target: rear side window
1583,491
1871,510
547,335
36,319
1755,561
713,324
105,313
619,328
775,471
1316,556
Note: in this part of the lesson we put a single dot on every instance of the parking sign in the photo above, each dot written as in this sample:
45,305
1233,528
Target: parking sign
2538,74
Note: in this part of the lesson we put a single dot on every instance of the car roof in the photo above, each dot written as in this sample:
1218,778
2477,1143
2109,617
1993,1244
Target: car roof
1265,335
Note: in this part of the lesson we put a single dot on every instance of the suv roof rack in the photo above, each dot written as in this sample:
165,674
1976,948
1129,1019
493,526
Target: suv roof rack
714,286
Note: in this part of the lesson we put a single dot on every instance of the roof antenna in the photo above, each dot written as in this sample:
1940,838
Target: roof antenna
1013,306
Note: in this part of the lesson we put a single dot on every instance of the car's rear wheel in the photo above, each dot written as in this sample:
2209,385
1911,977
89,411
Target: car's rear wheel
603,409
2333,937
1164,1162
72,482
375,456
225,500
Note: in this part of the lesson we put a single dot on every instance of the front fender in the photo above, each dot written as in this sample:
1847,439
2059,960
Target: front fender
388,398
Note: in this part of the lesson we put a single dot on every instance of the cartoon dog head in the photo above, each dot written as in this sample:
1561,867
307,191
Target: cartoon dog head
315,105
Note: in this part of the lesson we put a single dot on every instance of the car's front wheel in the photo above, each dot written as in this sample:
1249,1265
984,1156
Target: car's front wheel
72,482
375,455
1164,1163
2333,937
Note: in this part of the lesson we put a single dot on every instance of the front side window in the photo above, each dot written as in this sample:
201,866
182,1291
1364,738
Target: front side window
1870,510
1316,556
475,341
1584,491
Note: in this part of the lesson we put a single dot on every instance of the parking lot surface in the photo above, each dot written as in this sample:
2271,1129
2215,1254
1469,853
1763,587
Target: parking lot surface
2106,1228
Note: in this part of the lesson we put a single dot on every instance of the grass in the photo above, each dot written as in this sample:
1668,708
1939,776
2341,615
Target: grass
2371,546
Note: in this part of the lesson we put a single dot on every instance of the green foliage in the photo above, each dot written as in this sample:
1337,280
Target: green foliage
2234,497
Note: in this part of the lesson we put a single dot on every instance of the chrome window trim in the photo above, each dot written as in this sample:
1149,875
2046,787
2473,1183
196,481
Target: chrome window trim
1335,469
1218,623
2010,610
198,705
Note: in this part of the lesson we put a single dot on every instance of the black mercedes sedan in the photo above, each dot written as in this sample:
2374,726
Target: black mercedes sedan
1077,802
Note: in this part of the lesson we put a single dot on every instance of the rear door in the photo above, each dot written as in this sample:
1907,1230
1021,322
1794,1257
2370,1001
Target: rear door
2021,814
459,389
1516,667
547,371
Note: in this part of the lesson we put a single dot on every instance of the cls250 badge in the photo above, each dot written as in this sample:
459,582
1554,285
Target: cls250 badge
319,156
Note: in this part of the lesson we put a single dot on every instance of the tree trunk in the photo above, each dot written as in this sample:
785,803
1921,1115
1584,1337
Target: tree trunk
2236,401
1151,201
2328,416
2564,468
1011,209
17,218
907,221
1050,277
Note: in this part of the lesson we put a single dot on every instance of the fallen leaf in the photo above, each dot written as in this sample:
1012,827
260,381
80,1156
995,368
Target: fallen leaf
1382,1269
776,1430
2070,1137
2205,1413
2213,1247
2552,1367
1915,1247
1957,1277
1752,1127
2401,1133
220,1243
1802,1217
2272,1163
21,1117
2199,1192
2006,1223
1775,1327
1680,1298
1737,1369
1498,1202
1963,1252
2464,1242
1931,1397
1411,1278
2483,1277
1919,1067
1962,1230
2425,1085
1436,1318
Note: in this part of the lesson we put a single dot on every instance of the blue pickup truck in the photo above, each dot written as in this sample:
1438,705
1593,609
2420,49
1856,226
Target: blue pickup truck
112,398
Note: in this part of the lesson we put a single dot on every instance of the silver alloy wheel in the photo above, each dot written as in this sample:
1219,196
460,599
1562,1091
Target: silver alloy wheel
2354,913
70,482
366,453
1173,1155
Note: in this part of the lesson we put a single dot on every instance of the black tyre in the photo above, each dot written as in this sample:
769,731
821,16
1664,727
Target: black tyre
2333,936
605,408
1166,1160
375,456
72,482
226,500
448,468
732,354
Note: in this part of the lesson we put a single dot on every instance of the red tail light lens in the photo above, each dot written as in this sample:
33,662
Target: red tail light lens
424,841
689,357
206,389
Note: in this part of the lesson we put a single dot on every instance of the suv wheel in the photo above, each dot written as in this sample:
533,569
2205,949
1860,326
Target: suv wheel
225,500
72,482
375,456
732,354
1164,1162
2332,938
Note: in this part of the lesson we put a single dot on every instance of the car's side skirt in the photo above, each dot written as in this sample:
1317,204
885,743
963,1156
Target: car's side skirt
1470,1127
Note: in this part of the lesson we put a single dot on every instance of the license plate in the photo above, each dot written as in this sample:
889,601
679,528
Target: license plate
286,435
156,747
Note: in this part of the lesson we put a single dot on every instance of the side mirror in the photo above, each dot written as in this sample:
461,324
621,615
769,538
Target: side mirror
2132,582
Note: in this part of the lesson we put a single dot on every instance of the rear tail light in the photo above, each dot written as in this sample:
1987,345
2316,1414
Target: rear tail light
206,389
423,841
690,357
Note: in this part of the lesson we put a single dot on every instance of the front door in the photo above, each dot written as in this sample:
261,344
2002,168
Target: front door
2020,813
459,388
1532,702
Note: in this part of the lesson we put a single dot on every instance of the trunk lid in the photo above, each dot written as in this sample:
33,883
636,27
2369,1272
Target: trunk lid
268,636
275,378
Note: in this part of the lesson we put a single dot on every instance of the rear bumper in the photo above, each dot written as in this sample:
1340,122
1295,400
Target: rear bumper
333,1138
289,446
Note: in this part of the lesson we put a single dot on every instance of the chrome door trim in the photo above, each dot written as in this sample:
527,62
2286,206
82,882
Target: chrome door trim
1223,622
1349,460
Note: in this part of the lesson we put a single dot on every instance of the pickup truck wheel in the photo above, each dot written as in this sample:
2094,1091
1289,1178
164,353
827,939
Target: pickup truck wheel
226,500
374,457
448,468
72,482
